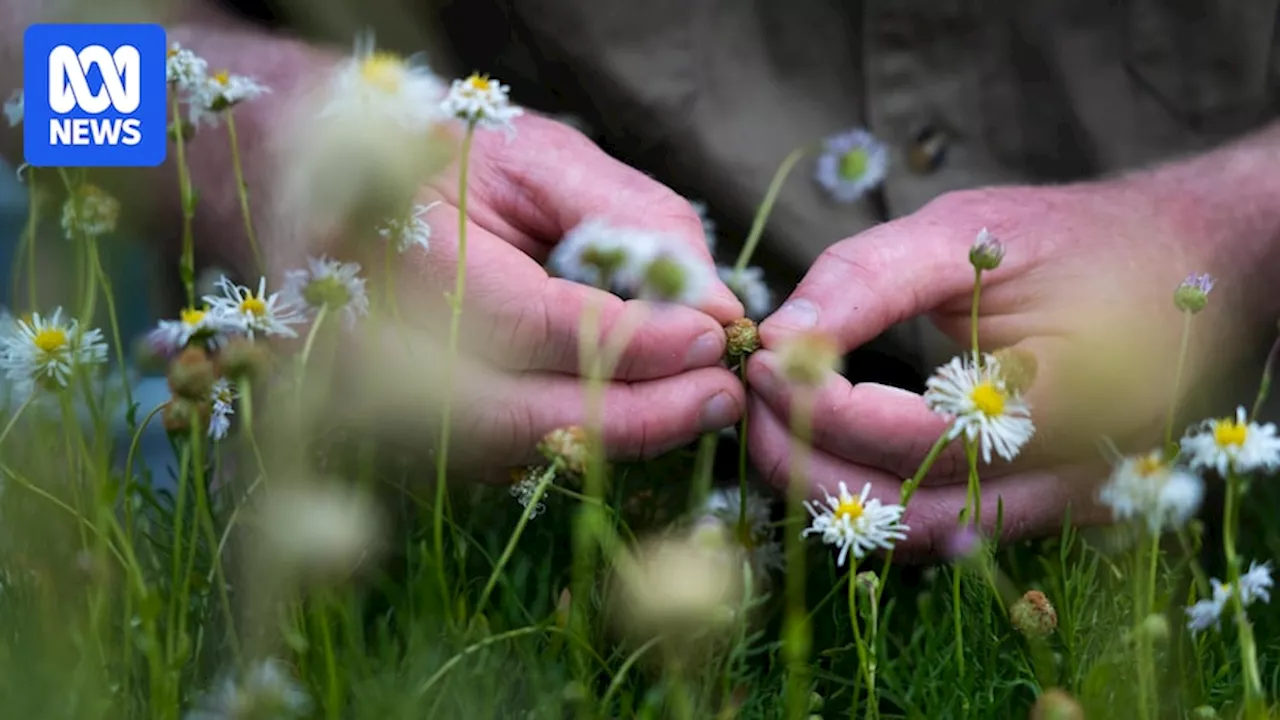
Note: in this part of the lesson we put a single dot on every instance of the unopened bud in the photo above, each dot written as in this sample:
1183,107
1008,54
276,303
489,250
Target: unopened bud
180,415
1056,704
808,358
567,448
1017,368
741,338
1033,615
192,374
243,359
867,583
1193,294
987,252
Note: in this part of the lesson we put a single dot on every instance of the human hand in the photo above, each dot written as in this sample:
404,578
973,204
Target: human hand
521,327
1086,286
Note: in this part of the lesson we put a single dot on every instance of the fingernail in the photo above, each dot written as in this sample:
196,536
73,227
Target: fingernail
720,412
891,390
705,351
798,314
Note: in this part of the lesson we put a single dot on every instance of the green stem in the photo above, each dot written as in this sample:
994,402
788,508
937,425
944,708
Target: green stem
33,213
475,648
766,207
796,631
455,327
621,674
957,625
973,503
187,265
113,320
1254,699
205,511
864,657
180,506
242,188
742,453
1169,447
973,315
1264,386
587,521
84,521
226,531
543,481
333,703
703,465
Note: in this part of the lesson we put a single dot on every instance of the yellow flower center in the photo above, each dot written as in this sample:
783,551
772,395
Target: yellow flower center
253,306
478,82
851,509
1149,465
171,52
384,71
1230,432
51,340
222,77
191,316
988,399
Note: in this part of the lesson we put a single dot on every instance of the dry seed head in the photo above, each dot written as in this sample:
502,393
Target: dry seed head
244,359
192,374
742,338
181,414
567,448
1033,615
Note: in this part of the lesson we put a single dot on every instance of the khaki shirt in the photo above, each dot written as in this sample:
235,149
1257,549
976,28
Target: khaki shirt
710,95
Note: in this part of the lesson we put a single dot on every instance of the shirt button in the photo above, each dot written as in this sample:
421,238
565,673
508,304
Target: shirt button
928,149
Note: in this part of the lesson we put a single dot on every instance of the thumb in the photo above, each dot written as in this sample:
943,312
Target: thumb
861,286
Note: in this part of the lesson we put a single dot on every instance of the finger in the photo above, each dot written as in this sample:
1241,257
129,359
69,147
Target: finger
533,190
521,318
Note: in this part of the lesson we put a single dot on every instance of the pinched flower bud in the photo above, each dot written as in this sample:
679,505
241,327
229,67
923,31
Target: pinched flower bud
987,251
243,359
1193,294
192,374
1017,368
180,415
1056,704
1033,615
808,358
742,338
567,449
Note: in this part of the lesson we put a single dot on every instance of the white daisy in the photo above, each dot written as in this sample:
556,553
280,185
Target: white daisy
200,325
1228,445
246,311
384,83
15,107
750,288
673,274
327,282
90,211
482,101
220,92
851,163
598,254
222,397
982,406
267,691
46,350
859,524
708,224
753,531
1255,584
1150,488
184,69
410,231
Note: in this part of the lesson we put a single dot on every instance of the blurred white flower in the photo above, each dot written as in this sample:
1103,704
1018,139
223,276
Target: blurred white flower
385,84
857,524
851,163
199,325
327,282
46,351
220,92
750,287
752,531
598,254
246,311
184,69
222,398
1255,584
90,211
708,224
1149,488
409,231
678,587
672,274
981,405
322,528
1238,445
15,107
481,101
267,691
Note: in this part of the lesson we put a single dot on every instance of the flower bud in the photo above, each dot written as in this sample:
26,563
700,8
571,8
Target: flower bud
867,583
1017,368
1056,704
1193,294
567,449
1155,628
1033,615
243,359
181,414
742,338
808,358
987,252
192,374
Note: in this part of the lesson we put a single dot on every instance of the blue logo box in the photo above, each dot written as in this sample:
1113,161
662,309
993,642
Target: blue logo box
95,95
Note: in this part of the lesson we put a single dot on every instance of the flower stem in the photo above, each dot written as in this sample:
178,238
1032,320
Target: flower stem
33,213
865,658
796,630
242,188
973,316
541,488
455,328
742,454
766,207
1264,385
1170,449
1253,694
956,621
187,265
909,489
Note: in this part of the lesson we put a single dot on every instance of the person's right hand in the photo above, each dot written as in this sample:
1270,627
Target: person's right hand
521,327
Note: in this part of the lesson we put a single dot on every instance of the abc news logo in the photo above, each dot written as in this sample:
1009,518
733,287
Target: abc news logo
96,95
69,90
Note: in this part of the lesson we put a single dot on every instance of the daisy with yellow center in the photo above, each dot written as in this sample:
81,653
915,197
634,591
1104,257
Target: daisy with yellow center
981,405
328,283
222,399
239,309
1152,489
219,93
184,70
193,325
855,524
481,101
1254,585
1233,445
376,83
45,351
